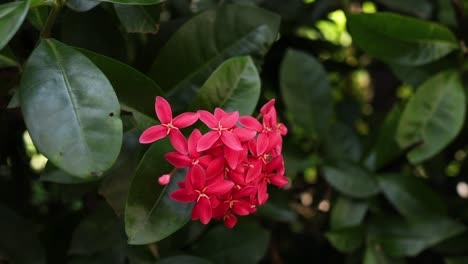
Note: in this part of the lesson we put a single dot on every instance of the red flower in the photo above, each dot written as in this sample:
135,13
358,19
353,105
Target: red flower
169,126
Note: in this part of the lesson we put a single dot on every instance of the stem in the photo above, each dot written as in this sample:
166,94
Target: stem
56,8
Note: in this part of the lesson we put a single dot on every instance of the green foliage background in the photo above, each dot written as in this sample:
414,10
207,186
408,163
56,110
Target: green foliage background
373,94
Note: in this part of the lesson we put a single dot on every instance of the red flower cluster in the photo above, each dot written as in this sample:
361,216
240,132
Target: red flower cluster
229,167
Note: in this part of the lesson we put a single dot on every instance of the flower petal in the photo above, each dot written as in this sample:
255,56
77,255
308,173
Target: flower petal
244,134
219,187
185,119
163,110
241,208
231,140
179,142
250,122
208,118
232,157
207,141
192,143
262,194
216,167
262,143
229,120
153,134
230,221
266,108
278,180
219,113
202,210
244,192
178,160
197,177
183,196
254,172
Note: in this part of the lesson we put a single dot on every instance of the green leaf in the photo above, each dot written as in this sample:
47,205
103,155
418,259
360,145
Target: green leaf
399,238
183,259
347,212
420,8
132,87
82,5
386,148
7,58
138,18
11,17
14,101
351,179
205,41
346,240
54,174
433,117
116,184
277,207
134,2
246,243
38,16
411,196
399,39
374,255
19,242
233,86
341,142
306,91
151,214
70,110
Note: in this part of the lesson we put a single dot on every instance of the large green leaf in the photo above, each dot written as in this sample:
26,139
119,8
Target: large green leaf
399,238
411,196
205,41
234,86
306,91
82,5
246,243
132,87
53,174
433,117
351,179
138,18
420,8
7,58
347,212
346,240
341,142
116,184
11,17
38,16
70,110
374,255
151,214
399,39
19,243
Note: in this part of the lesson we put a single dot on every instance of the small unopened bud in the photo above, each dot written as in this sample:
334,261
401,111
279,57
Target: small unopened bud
164,179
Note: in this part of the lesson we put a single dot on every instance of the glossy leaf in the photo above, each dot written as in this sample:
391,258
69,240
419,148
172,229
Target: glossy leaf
38,16
347,213
183,259
306,91
399,238
151,214
19,242
11,17
346,240
341,142
7,58
71,110
433,117
246,243
411,196
116,183
386,148
54,174
82,5
234,86
132,87
138,18
400,39
205,41
420,8
351,179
